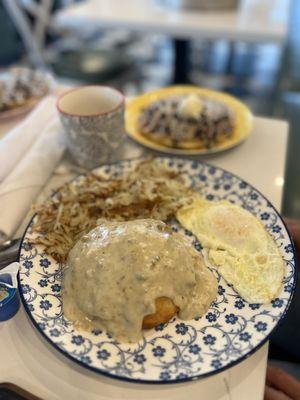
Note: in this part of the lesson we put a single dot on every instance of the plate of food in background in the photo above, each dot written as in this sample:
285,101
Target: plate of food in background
188,120
21,89
157,270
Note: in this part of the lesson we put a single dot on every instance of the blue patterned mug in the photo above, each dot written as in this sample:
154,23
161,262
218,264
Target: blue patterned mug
93,120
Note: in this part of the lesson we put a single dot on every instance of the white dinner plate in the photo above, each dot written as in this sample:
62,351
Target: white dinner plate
230,331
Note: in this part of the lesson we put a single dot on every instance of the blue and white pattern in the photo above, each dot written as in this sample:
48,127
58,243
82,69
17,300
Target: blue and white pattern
179,350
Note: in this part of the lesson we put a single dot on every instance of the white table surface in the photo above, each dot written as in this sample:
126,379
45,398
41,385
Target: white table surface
255,20
29,361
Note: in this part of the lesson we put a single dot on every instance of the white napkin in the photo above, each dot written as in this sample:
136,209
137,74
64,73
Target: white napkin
16,143
21,187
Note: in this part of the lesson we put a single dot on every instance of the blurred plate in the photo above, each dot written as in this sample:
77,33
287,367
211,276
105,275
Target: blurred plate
29,104
243,119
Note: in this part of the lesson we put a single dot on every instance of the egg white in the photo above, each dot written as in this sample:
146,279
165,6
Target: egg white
238,245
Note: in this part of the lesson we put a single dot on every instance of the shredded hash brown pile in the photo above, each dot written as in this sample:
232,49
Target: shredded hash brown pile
150,191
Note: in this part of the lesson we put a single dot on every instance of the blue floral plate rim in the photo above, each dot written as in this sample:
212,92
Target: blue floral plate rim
185,379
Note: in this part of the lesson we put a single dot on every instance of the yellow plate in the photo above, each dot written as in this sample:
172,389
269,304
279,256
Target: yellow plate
243,118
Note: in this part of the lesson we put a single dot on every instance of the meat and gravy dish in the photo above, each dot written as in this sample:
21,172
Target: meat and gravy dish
126,270
126,267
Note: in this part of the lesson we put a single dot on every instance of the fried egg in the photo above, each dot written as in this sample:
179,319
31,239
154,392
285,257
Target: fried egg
238,245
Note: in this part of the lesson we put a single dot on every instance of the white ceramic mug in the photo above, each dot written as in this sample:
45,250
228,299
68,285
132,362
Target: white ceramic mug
93,120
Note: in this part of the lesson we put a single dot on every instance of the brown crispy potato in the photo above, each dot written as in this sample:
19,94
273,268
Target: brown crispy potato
165,310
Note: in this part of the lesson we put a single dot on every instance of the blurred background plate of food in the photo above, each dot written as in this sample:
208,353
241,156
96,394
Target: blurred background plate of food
21,89
188,120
